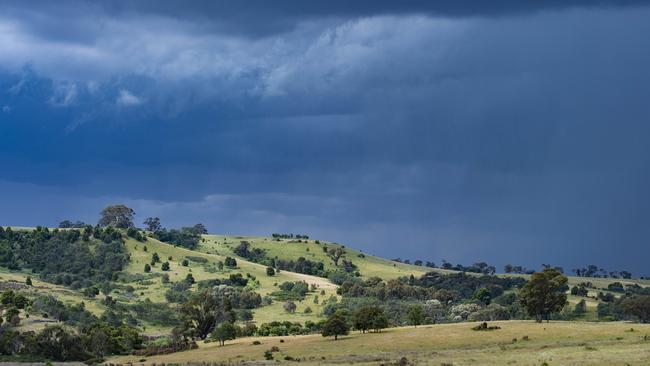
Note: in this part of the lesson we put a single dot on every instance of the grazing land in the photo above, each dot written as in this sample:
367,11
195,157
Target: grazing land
516,343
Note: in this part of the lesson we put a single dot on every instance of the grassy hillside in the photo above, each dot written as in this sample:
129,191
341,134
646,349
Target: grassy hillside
141,286
557,343
105,283
368,265
153,288
16,280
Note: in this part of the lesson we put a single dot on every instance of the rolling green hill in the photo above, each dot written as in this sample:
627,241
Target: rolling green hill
155,289
292,249
202,262
142,295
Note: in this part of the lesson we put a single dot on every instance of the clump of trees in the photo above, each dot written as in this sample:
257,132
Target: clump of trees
581,289
415,315
593,270
185,237
509,268
291,291
286,328
73,258
630,306
152,224
11,304
432,298
638,306
300,265
432,285
289,236
84,338
479,267
67,224
245,250
370,317
235,279
136,234
212,312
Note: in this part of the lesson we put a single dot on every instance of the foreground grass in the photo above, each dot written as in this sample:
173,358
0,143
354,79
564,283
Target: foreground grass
556,343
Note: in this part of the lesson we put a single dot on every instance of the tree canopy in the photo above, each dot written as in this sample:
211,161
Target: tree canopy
335,325
223,332
544,294
639,306
369,318
118,216
415,315
152,224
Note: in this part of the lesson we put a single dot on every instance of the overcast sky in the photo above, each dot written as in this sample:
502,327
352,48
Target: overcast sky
501,131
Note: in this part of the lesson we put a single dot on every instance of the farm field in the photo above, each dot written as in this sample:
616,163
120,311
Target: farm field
516,343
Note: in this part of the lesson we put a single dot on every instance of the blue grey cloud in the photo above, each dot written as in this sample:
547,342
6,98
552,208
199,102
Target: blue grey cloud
514,133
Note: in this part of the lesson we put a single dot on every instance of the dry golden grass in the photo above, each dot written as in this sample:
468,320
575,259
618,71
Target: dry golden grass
557,343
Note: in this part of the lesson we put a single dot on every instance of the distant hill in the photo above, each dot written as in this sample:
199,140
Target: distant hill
137,286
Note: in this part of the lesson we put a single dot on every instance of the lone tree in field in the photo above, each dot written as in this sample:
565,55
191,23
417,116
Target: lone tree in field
118,216
415,315
224,332
289,306
335,254
335,325
544,294
270,271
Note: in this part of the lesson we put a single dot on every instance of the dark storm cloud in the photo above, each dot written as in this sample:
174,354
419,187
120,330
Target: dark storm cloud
84,19
509,133
261,17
